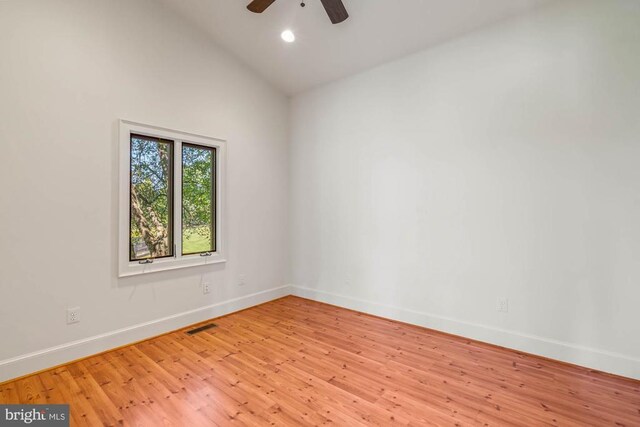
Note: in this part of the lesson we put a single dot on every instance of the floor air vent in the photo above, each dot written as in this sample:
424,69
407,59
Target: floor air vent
202,328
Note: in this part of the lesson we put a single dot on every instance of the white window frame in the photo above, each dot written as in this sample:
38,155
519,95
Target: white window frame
131,268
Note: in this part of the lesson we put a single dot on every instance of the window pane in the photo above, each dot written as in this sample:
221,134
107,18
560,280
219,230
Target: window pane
198,199
151,230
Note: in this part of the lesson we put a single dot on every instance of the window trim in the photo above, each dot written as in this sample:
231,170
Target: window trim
131,268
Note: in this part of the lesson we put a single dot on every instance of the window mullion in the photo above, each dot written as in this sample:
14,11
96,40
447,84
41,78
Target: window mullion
177,199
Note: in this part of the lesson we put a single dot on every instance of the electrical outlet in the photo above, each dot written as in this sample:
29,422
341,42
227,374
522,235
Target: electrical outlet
206,288
242,279
503,305
73,315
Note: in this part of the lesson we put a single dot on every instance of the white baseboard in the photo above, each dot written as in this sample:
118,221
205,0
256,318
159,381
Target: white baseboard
596,359
579,355
53,356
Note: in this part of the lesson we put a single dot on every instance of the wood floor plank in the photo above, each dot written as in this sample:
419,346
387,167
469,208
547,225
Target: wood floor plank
294,362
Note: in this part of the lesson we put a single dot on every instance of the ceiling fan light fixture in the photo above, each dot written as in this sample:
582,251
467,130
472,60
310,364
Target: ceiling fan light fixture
288,36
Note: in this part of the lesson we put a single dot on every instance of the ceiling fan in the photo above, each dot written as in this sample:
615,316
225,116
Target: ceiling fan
335,9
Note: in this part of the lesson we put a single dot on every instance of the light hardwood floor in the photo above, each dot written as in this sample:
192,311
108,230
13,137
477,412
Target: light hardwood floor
298,362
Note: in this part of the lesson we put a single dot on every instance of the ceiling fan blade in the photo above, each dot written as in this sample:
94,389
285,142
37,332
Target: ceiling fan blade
259,6
336,10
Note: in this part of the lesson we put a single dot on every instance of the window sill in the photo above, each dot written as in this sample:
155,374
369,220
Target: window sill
163,264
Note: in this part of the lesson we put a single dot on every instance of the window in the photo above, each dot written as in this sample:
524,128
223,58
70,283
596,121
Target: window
150,198
198,199
171,212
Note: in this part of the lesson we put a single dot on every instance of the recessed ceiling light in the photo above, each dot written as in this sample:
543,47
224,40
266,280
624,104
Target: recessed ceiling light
288,36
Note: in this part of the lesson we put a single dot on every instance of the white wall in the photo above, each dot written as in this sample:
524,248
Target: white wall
69,69
501,164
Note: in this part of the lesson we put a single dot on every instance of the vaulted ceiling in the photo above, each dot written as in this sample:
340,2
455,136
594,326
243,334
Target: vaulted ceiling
377,31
